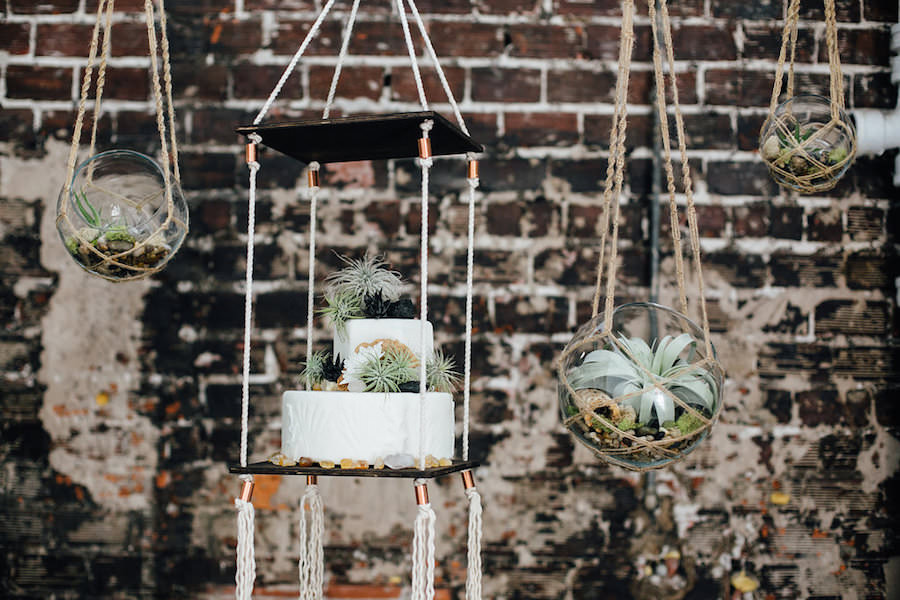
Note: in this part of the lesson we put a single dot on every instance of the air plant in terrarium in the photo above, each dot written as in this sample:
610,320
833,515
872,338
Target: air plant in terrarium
118,218
807,145
643,394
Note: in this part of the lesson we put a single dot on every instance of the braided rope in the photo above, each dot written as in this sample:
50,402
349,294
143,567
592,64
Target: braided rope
412,54
467,360
437,67
341,58
248,304
311,273
310,35
425,166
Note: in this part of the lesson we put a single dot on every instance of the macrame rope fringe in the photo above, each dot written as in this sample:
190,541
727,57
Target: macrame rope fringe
312,534
245,574
473,568
423,552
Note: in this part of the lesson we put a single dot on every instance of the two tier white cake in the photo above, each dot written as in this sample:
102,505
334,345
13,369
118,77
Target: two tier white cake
368,426
364,406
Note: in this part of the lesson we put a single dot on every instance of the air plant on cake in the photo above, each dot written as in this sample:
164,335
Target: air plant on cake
340,308
627,379
363,277
322,370
440,373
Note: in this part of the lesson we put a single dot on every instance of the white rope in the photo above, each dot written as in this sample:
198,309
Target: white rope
437,66
341,57
473,569
312,560
313,31
248,304
245,573
425,165
423,552
470,267
412,54
311,274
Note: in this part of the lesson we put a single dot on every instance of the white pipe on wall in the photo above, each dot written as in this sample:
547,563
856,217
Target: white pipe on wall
879,130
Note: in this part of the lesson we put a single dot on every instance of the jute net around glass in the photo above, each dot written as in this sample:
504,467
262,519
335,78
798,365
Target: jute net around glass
120,214
808,141
640,384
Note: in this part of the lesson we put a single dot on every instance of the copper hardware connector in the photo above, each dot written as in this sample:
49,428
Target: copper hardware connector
251,153
313,177
473,169
312,479
421,494
246,491
468,479
424,148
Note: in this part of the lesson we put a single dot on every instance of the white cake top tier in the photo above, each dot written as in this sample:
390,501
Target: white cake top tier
365,331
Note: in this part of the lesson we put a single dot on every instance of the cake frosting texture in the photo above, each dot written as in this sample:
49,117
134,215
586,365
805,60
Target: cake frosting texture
365,425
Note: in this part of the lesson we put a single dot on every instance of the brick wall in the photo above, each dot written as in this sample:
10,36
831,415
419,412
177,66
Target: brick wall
120,402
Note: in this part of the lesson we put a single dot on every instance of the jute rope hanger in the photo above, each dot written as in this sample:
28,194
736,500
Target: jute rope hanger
607,263
165,118
310,564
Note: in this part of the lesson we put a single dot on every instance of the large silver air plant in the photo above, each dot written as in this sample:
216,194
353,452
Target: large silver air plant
634,372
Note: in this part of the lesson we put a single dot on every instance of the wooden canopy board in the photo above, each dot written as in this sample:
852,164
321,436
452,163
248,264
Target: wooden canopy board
267,468
371,137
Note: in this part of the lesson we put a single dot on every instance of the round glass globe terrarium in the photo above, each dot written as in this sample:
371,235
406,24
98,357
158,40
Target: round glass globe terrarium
644,393
807,145
118,219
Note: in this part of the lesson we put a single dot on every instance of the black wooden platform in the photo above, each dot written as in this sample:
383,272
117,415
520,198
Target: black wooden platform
370,137
267,468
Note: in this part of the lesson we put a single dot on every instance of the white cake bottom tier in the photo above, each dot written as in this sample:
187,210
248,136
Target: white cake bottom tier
364,425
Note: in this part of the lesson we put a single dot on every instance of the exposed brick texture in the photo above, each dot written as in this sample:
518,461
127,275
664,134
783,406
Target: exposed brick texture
121,402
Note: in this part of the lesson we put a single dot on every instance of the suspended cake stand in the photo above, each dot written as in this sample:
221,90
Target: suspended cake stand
422,134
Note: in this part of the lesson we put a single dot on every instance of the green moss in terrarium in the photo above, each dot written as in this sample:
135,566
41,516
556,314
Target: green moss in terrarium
688,423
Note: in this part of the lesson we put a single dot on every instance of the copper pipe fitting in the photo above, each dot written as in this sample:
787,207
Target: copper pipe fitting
424,148
473,170
251,153
468,480
313,177
246,491
312,479
421,494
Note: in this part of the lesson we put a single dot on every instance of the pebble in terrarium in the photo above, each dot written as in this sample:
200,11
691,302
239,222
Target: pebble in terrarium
805,147
117,219
643,394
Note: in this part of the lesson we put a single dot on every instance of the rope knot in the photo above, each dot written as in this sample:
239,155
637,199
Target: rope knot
426,126
425,163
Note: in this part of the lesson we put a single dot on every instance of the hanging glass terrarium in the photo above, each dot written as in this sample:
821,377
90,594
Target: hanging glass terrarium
808,141
118,219
121,215
640,384
643,392
806,149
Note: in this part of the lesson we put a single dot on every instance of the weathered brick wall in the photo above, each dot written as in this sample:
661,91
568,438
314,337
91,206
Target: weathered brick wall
121,402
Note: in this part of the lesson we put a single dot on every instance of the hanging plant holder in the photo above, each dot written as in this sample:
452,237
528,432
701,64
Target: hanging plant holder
325,423
808,141
640,384
643,393
118,224
121,215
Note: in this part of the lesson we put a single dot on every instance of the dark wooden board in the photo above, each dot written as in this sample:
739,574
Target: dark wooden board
370,137
267,468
